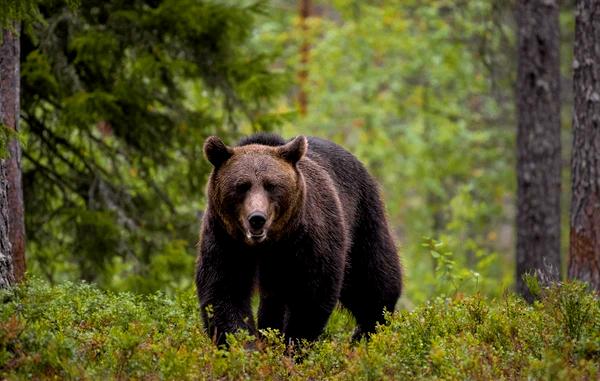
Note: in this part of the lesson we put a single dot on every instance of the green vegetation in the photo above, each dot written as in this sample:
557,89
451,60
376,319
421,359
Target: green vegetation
116,100
75,330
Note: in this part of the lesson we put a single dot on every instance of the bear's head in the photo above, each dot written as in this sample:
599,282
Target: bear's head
256,190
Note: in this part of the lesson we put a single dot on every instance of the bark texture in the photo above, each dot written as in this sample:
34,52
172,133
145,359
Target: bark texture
9,116
6,269
584,248
538,142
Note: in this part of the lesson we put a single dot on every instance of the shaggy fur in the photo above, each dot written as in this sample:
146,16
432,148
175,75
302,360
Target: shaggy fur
327,239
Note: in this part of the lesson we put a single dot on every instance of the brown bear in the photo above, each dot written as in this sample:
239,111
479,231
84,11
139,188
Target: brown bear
303,221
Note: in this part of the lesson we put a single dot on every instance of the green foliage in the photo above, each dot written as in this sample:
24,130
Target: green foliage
117,100
6,134
77,331
450,275
13,11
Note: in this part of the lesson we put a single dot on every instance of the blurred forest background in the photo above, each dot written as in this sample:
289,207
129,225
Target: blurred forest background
117,98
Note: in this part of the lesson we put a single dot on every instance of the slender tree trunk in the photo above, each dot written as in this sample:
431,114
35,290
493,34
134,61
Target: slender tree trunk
538,142
304,55
584,249
9,116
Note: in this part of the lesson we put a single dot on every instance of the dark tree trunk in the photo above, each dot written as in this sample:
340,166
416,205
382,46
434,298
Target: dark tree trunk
9,116
304,11
6,269
584,249
538,142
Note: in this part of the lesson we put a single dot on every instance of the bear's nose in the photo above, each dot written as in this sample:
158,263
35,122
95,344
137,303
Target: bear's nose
257,220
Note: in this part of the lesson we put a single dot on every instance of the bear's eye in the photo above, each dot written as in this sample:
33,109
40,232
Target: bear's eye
242,187
269,187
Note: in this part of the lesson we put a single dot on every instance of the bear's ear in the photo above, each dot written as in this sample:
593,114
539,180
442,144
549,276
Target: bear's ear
216,151
294,150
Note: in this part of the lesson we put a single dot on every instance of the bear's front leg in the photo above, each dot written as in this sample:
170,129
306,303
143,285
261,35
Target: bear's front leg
224,283
271,313
315,292
307,320
225,316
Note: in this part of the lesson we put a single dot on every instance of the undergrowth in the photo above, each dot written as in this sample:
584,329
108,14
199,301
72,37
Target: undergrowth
78,331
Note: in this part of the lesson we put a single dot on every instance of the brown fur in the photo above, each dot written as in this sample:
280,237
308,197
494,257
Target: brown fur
324,239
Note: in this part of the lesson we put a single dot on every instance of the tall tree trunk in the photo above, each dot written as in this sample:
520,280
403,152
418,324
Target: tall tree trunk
9,116
304,11
584,249
538,142
6,268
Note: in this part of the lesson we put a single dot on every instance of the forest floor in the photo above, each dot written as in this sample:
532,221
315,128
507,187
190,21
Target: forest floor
78,331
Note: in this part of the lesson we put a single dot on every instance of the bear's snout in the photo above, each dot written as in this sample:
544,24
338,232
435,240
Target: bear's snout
255,217
257,221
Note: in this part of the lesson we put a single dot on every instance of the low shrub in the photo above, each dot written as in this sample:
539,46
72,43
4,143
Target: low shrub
78,331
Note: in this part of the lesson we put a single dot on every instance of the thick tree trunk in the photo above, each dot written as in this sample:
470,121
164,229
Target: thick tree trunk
6,269
584,250
538,142
9,116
